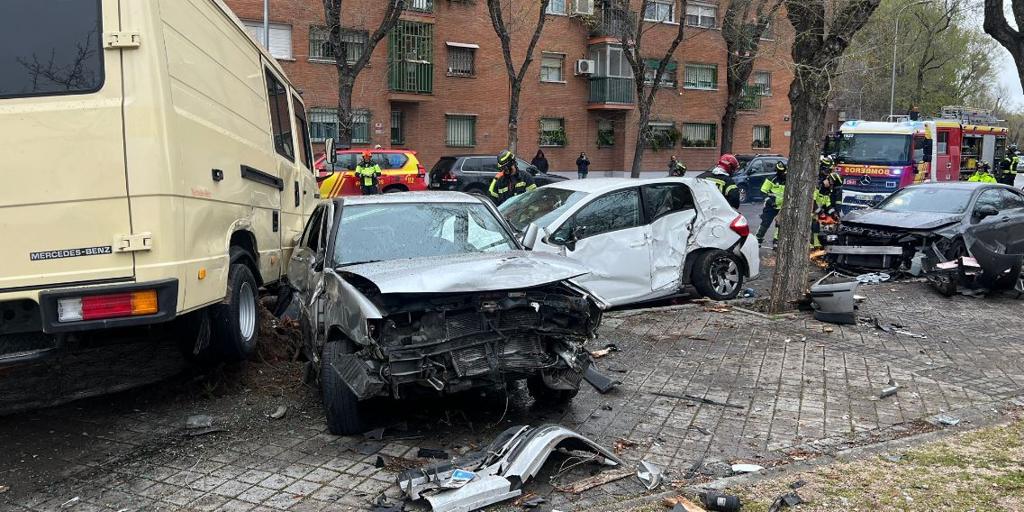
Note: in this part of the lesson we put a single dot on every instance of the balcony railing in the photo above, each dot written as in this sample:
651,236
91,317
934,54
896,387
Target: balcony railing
415,77
420,5
612,22
751,98
611,90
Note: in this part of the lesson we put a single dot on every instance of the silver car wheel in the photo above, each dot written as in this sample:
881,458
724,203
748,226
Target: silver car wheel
725,275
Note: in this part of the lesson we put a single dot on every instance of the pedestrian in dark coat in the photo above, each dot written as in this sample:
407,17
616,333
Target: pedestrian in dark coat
540,162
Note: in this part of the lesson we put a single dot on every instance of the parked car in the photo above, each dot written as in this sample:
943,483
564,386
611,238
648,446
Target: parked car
432,292
923,225
754,169
473,173
401,171
642,239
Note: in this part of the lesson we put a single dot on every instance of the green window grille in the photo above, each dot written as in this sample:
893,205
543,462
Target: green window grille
397,127
751,98
411,58
701,76
668,78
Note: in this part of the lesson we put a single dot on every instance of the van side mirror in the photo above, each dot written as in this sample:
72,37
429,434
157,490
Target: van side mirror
329,151
530,236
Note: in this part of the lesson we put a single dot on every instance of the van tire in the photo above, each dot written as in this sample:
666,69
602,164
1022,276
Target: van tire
235,322
342,409
711,272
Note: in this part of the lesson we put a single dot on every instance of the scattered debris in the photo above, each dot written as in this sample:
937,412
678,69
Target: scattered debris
609,348
717,307
873,278
376,434
748,293
681,504
602,383
196,432
717,501
892,457
798,484
431,453
497,472
890,390
700,429
367,447
4,488
381,504
827,330
278,413
70,502
790,499
533,502
606,407
622,443
649,475
692,398
199,421
379,463
602,478
832,299
746,468
945,420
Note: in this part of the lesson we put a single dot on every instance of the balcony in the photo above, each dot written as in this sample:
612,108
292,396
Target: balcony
609,22
411,77
611,93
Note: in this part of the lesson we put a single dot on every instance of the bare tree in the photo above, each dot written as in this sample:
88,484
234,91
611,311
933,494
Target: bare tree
823,30
515,76
1000,29
632,38
933,56
743,26
348,71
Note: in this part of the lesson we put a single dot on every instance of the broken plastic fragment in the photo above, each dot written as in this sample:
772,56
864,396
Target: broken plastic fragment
649,475
746,468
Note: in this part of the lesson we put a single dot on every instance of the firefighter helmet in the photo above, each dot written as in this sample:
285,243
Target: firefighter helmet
506,159
827,161
781,166
367,155
729,163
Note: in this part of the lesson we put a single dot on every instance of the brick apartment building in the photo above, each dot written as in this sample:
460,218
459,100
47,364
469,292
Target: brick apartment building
437,83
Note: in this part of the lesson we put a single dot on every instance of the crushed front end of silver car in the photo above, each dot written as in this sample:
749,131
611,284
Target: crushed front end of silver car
447,338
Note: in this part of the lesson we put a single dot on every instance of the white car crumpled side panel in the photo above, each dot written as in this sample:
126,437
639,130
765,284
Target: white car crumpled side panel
619,262
670,245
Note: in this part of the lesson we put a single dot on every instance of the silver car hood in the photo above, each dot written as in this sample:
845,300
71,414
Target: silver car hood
474,272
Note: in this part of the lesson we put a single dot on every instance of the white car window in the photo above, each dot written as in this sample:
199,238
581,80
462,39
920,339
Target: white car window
610,212
665,198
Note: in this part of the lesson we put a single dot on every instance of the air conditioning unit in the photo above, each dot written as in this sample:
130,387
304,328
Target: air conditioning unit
585,7
585,67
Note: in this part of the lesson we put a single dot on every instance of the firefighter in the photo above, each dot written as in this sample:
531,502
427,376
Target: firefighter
676,168
983,174
774,189
826,166
509,182
721,176
368,174
826,204
1008,166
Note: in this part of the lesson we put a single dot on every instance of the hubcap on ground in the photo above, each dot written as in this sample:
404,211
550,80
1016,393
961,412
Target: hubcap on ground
246,311
725,275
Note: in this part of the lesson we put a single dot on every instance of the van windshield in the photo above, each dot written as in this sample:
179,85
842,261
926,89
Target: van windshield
61,57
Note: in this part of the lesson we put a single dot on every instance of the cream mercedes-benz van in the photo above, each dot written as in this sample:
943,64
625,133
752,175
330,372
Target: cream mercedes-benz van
156,163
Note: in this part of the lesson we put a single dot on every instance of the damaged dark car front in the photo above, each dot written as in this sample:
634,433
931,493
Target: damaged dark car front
930,228
409,294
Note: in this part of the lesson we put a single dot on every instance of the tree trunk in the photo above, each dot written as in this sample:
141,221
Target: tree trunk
345,85
729,122
808,100
638,151
513,116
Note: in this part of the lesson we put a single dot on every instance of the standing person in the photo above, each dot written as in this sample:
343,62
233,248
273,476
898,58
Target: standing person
983,174
368,174
540,162
721,176
774,189
1008,166
509,182
675,168
826,204
582,166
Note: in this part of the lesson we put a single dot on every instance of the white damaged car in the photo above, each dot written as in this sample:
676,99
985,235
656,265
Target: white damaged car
642,239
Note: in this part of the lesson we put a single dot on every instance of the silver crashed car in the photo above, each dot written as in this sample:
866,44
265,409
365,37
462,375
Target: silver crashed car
431,292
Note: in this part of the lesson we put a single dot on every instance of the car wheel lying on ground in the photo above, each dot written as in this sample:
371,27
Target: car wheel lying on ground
642,239
409,294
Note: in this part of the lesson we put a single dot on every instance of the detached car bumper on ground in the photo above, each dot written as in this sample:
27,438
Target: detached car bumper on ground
406,294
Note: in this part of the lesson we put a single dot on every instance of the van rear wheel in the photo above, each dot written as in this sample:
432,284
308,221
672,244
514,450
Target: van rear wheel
235,320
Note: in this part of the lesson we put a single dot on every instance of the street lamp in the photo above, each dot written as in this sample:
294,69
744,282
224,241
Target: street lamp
895,38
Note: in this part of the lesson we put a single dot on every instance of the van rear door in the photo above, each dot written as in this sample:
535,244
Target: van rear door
64,201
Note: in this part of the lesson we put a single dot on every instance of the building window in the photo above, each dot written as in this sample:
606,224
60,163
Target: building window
460,131
360,126
700,135
320,44
323,123
661,11
420,5
552,132
551,67
660,135
411,57
610,62
461,59
763,83
769,31
703,16
280,38
397,127
701,76
605,133
557,7
668,77
762,137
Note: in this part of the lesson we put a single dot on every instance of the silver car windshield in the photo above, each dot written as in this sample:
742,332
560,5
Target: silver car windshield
928,199
540,206
383,232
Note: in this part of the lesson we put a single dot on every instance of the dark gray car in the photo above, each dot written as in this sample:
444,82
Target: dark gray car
430,292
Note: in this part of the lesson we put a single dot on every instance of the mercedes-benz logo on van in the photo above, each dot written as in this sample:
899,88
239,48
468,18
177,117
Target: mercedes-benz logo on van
865,181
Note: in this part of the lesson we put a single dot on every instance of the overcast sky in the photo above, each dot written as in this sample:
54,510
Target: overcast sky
1009,80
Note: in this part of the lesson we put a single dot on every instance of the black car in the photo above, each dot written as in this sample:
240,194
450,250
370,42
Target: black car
473,173
754,169
923,226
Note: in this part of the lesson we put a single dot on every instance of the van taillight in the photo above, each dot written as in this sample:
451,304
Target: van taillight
740,226
98,307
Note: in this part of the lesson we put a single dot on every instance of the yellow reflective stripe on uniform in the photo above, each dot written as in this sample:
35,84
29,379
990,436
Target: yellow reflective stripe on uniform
730,188
531,187
491,190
